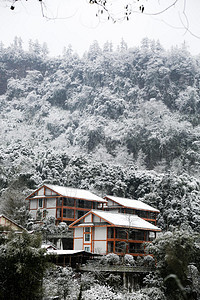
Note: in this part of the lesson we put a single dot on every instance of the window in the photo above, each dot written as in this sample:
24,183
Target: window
59,202
120,247
88,204
80,213
110,247
141,213
68,213
136,235
40,202
87,229
68,202
129,211
152,215
120,233
110,233
80,203
59,213
87,237
87,248
136,248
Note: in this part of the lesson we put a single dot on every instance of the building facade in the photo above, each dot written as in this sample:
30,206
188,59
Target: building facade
131,206
64,203
108,232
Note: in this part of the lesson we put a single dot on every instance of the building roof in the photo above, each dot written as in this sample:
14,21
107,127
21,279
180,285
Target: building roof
73,193
69,252
131,203
120,220
11,222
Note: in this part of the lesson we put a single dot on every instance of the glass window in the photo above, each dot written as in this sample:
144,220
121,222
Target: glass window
68,213
87,248
152,215
110,233
59,202
80,203
68,202
120,233
80,213
110,247
141,213
40,203
87,229
129,211
136,248
87,237
136,235
58,212
88,204
120,247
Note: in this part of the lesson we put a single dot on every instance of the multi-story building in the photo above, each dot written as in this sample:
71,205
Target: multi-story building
64,203
105,232
99,225
131,206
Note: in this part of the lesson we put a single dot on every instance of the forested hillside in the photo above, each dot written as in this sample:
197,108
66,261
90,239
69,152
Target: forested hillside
119,121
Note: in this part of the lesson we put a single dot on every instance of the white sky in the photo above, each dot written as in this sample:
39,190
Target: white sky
76,23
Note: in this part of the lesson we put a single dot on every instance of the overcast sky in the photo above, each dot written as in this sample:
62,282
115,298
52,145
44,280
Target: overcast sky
74,22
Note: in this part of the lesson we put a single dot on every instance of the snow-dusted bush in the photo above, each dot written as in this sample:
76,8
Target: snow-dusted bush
112,259
114,280
87,280
129,260
61,283
139,261
146,294
149,261
101,292
136,296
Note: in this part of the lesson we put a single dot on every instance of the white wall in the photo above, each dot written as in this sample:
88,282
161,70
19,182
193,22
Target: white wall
78,244
33,204
48,192
88,218
100,233
111,203
96,219
51,202
41,192
100,247
78,232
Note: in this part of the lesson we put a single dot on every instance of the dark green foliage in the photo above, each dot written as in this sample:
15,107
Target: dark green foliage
174,253
22,267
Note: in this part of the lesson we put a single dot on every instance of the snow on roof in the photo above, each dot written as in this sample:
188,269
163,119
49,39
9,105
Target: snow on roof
75,193
131,203
66,252
86,224
48,247
125,220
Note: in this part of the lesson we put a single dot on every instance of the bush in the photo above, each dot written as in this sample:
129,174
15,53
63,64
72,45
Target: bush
129,260
112,259
101,292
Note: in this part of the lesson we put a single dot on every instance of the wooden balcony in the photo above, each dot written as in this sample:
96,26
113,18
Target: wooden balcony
116,268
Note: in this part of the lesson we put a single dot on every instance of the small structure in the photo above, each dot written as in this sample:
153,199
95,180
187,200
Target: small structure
48,247
105,232
8,225
66,204
131,206
73,258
